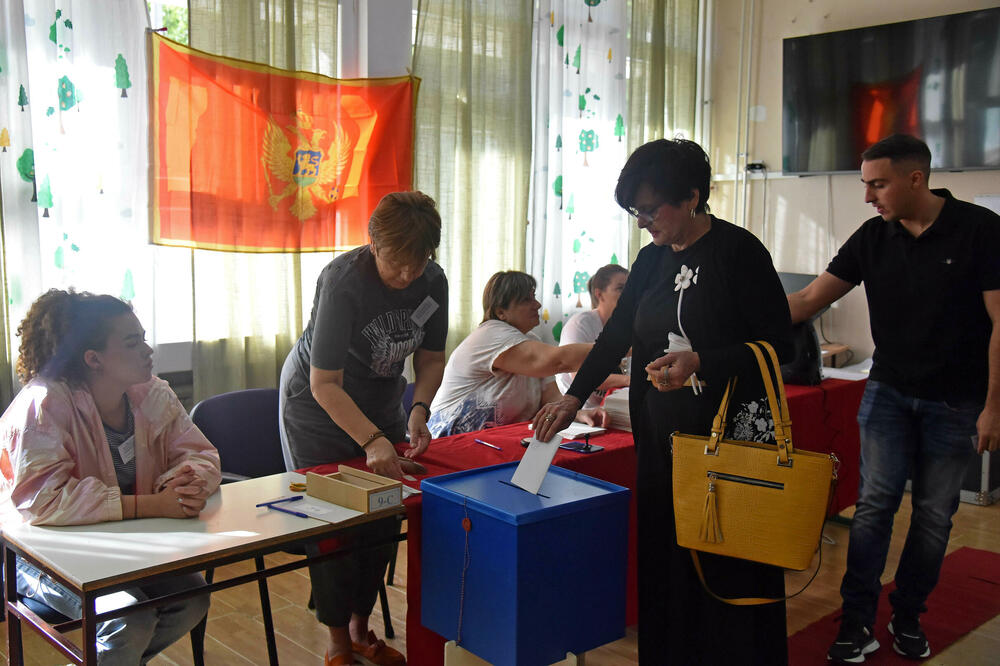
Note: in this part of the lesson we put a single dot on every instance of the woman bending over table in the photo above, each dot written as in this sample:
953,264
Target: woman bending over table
605,287
341,390
502,372
695,295
93,437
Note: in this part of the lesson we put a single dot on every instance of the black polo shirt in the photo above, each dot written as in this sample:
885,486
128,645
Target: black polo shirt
925,299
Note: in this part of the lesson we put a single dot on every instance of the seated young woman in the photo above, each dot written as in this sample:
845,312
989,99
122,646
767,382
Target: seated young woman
502,373
605,288
94,437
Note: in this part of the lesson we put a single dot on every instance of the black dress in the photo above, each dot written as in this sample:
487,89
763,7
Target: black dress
729,294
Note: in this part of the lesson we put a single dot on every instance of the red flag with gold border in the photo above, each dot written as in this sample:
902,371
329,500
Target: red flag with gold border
250,158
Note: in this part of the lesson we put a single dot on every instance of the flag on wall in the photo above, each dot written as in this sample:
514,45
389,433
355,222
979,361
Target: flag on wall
250,158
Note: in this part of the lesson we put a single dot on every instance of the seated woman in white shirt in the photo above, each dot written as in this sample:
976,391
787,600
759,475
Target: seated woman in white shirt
605,288
502,373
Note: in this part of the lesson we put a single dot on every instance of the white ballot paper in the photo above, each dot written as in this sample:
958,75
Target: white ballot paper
535,463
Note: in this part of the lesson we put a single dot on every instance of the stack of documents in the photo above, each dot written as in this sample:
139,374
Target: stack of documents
616,405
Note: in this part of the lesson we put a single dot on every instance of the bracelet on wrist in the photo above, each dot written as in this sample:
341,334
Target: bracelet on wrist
426,407
372,437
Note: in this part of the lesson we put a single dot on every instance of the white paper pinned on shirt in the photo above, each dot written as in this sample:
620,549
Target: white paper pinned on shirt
531,471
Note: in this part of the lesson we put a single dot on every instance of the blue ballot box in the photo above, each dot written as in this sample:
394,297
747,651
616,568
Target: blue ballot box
534,576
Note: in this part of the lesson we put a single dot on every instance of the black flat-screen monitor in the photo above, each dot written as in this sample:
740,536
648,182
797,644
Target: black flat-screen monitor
935,78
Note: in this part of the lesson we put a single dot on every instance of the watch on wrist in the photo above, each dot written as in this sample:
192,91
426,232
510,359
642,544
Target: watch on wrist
426,409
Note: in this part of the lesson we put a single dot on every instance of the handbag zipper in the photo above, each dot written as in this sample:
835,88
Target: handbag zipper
745,479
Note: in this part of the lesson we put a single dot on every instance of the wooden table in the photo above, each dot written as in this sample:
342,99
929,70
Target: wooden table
94,560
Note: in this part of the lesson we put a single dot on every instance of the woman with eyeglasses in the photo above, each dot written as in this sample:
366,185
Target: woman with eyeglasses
694,296
341,391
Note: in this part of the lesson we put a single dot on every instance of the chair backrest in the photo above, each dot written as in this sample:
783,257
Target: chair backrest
243,426
408,397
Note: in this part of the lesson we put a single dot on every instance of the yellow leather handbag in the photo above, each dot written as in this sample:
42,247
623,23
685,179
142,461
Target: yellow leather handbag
749,500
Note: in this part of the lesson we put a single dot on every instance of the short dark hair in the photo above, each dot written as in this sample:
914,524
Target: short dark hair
901,148
601,280
59,327
674,168
406,225
505,288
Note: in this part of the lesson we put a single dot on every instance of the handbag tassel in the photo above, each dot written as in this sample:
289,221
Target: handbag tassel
711,531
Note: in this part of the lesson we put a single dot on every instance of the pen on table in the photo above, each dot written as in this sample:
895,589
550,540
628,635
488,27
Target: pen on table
294,513
492,446
283,499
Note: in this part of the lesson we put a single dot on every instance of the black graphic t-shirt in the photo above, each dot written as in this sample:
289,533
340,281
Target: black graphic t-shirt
361,326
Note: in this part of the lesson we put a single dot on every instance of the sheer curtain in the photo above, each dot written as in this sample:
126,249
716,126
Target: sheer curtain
473,140
578,85
73,165
662,83
249,308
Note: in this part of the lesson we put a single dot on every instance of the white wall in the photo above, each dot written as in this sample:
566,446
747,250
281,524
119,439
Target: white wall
807,218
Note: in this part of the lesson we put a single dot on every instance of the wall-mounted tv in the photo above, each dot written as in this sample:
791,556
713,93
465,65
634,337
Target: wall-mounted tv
936,78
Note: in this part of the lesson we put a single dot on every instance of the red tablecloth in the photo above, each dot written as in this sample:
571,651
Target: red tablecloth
823,419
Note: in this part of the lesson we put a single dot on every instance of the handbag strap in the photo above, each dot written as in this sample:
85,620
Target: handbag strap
776,399
753,601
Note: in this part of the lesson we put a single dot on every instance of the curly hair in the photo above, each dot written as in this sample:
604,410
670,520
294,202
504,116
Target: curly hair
59,327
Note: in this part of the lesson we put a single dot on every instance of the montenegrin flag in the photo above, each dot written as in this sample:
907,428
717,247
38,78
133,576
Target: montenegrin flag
249,158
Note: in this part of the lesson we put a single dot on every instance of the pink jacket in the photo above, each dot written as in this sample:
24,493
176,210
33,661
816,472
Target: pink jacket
55,463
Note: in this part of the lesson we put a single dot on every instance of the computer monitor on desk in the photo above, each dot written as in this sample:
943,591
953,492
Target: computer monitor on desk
793,282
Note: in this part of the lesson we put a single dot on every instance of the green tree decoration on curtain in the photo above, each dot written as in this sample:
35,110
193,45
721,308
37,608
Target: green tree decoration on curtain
619,127
561,35
557,331
53,32
121,75
570,208
128,286
576,246
614,259
590,3
576,59
588,143
557,291
67,94
557,189
59,258
26,168
580,285
4,139
45,196
22,98
558,142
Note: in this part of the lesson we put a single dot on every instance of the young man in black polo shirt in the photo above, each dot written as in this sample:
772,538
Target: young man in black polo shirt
931,268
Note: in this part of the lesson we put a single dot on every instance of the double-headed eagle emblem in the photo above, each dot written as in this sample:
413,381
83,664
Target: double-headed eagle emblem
308,171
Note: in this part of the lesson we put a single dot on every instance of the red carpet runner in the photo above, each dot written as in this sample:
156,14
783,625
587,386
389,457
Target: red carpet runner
967,595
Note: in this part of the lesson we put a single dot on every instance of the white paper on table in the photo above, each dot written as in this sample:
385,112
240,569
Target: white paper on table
575,429
531,471
331,513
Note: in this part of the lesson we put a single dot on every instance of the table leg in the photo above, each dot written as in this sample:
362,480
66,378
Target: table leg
265,607
89,629
15,652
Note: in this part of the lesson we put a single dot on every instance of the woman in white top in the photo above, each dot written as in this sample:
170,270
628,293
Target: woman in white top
502,373
605,288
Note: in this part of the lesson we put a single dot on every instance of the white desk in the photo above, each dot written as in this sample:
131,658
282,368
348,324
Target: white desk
98,559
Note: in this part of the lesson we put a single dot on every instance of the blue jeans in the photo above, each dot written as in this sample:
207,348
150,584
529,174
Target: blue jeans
901,437
135,638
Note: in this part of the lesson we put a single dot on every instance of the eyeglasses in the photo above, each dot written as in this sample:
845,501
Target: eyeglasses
648,214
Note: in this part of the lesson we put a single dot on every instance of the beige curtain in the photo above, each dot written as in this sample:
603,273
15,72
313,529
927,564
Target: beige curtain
473,140
663,75
248,308
7,354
